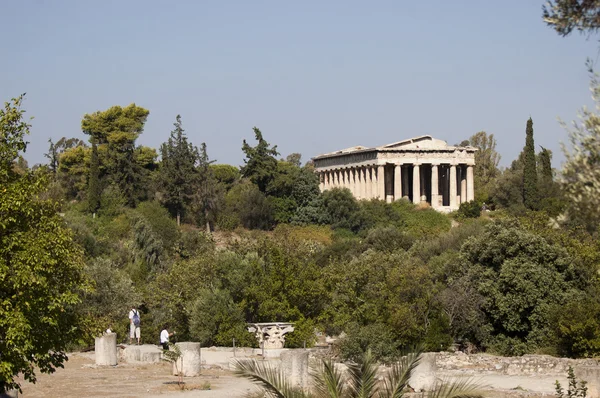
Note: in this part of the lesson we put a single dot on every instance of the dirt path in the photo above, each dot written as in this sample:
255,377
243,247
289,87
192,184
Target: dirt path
81,378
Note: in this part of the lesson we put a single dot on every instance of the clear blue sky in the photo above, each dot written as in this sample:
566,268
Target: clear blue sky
314,76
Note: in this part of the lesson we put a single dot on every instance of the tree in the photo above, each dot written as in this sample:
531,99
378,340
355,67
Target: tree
486,164
118,128
581,171
294,158
178,173
546,176
225,174
52,156
341,208
566,15
94,190
551,197
260,163
207,193
41,268
521,277
530,183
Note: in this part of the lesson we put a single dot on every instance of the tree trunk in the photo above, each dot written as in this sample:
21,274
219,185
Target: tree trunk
178,218
206,220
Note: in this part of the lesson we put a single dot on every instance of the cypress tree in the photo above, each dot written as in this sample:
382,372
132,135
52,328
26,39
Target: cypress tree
530,185
545,166
94,181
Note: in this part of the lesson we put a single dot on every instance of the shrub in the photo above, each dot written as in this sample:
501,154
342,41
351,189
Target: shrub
304,332
215,319
161,223
389,239
577,326
471,209
376,337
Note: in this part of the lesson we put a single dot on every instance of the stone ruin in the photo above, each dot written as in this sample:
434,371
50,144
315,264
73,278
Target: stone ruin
271,335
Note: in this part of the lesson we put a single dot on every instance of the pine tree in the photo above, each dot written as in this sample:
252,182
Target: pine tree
118,128
530,186
261,164
178,175
207,192
52,155
94,190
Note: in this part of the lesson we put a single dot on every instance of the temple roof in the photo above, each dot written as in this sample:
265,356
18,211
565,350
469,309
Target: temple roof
423,142
347,150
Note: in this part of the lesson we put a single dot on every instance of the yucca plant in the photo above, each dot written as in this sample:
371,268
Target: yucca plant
360,380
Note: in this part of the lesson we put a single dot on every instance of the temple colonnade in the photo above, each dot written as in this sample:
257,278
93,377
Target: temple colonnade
421,169
440,185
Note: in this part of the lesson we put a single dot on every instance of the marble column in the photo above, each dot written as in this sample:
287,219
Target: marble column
416,183
345,183
352,181
435,201
463,184
470,184
405,183
360,178
397,181
368,183
381,182
357,181
321,181
453,203
374,182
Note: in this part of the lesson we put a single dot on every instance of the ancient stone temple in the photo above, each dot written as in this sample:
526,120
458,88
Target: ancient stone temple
421,169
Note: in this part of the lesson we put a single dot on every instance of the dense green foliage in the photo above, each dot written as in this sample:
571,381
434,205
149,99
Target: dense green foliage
41,267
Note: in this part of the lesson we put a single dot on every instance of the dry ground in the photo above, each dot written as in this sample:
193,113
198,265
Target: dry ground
81,378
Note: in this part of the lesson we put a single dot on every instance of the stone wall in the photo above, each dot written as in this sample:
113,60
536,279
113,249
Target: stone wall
529,366
526,365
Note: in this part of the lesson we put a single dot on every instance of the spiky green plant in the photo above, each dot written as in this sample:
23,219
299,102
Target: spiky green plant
360,380
328,380
396,382
270,379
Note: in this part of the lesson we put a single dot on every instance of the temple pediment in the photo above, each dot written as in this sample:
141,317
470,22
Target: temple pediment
422,142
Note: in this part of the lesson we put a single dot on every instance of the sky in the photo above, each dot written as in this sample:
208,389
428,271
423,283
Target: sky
314,76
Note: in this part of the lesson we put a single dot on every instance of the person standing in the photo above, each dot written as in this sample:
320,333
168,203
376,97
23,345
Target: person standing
164,338
134,326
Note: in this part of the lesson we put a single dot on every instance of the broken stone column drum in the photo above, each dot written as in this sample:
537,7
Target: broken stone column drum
424,375
106,349
294,364
190,362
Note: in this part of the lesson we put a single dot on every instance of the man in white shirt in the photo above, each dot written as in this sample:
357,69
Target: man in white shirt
134,326
164,338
